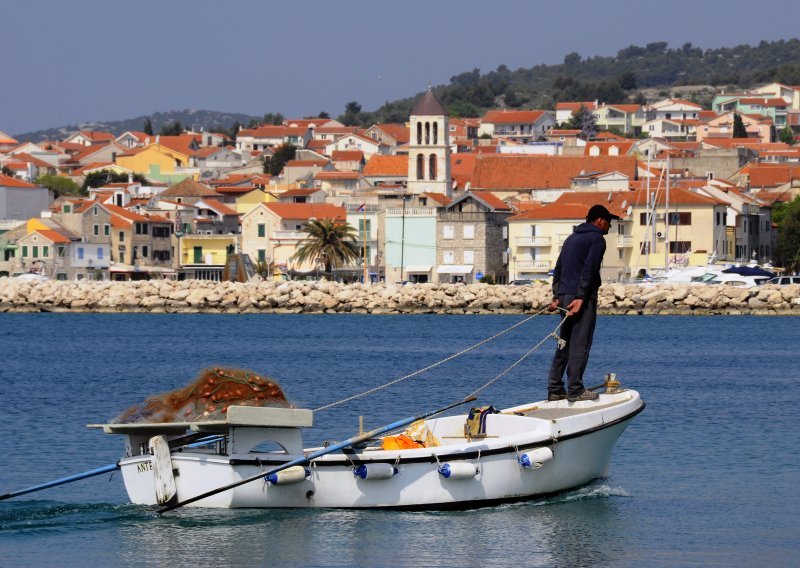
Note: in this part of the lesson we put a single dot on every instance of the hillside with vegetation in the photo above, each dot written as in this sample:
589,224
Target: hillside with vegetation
160,122
634,74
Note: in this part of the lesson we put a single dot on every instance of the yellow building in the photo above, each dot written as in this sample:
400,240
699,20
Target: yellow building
202,257
692,230
536,237
246,198
161,162
271,232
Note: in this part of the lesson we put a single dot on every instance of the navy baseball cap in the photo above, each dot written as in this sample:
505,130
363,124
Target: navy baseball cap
598,211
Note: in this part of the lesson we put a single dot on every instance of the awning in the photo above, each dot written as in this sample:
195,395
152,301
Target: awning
454,269
418,268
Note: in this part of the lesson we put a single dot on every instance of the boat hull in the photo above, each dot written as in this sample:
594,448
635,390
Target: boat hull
489,470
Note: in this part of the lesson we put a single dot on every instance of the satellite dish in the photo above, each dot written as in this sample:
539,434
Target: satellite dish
630,210
624,203
610,196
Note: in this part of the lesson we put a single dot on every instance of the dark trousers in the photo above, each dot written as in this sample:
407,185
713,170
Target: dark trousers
577,331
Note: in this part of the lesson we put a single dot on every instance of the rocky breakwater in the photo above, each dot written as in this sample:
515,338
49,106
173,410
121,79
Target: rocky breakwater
195,296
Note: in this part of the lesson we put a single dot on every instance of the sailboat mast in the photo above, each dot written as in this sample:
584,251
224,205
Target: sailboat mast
666,221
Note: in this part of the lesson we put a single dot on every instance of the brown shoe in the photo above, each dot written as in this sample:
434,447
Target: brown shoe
554,396
585,395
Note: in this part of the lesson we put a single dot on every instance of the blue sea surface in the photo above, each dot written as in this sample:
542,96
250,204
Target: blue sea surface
707,475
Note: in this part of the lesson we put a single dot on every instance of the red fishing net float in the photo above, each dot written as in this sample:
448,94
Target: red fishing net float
207,398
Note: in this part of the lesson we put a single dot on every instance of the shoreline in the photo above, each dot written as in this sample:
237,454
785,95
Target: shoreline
322,297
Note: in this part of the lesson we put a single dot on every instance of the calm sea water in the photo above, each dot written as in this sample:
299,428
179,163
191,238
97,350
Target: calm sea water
708,475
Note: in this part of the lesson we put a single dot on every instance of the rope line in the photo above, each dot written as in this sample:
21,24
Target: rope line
530,351
443,361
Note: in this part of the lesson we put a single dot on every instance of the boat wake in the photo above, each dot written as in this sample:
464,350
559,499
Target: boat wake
596,490
56,516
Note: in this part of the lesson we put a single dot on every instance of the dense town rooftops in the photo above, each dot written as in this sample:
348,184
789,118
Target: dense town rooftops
496,172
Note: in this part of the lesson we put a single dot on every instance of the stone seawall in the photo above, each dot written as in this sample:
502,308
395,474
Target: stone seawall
196,296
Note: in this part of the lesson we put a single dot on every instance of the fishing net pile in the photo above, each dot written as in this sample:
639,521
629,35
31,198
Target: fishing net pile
207,398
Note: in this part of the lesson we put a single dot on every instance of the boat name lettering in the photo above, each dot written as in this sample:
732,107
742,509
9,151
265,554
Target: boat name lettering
144,466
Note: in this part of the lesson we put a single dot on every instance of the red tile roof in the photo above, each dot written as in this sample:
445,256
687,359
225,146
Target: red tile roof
381,165
552,212
346,155
305,211
617,202
439,198
764,101
400,132
573,106
623,147
220,206
267,131
462,166
129,215
512,116
8,181
496,172
491,199
771,176
53,235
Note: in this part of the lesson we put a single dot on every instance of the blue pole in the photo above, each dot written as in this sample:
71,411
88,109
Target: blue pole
313,455
62,481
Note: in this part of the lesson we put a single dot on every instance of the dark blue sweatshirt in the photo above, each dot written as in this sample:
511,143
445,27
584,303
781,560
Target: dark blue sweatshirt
577,271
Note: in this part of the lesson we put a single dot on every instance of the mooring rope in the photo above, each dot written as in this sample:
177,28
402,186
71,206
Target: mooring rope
450,358
530,351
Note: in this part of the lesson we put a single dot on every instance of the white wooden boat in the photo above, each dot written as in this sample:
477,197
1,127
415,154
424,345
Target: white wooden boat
525,452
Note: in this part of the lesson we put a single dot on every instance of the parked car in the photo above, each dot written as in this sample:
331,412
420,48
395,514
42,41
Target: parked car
521,282
783,280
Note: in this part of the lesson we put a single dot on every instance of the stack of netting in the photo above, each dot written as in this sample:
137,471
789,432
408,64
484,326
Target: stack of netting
207,398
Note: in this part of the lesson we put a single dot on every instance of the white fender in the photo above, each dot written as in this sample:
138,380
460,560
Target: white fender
535,459
458,470
375,471
294,474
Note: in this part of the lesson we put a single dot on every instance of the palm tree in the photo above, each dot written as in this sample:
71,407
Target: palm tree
328,242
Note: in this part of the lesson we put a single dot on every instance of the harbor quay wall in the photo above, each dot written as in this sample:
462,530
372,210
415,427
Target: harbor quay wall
198,296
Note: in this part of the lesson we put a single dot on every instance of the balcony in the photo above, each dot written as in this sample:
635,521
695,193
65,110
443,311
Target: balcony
532,241
538,265
288,235
561,238
624,241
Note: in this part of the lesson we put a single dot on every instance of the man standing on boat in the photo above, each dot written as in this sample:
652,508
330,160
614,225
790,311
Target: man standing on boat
576,280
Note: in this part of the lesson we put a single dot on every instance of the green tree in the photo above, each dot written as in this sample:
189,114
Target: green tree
328,242
275,119
584,120
627,81
103,177
6,171
173,128
787,249
739,130
59,185
323,114
148,127
281,155
787,135
351,117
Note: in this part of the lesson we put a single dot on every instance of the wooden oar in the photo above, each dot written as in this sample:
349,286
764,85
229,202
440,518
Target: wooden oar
313,455
62,481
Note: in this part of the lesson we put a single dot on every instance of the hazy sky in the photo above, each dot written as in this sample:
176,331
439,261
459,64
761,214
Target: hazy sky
67,62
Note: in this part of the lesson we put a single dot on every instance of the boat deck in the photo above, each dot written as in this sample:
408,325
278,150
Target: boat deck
554,411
